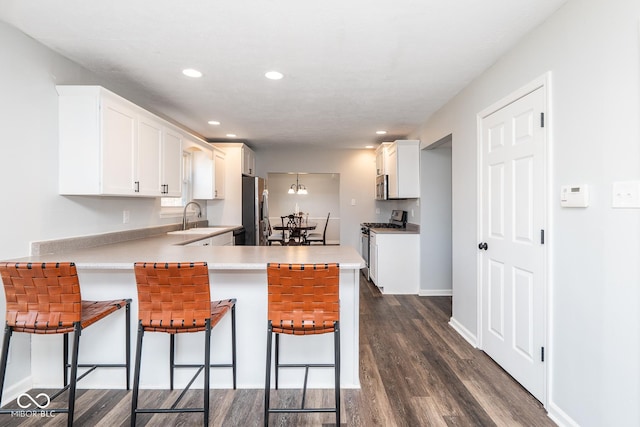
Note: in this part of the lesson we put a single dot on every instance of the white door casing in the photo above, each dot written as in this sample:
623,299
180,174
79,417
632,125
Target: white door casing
512,209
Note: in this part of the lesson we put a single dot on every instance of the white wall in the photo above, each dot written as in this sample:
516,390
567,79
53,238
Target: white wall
591,47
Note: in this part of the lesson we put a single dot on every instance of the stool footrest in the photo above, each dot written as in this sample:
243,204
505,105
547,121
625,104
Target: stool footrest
102,365
306,365
213,365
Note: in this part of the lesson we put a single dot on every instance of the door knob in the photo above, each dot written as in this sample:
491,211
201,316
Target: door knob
483,246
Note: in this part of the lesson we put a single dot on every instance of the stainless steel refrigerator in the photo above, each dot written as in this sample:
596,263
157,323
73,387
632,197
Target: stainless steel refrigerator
255,210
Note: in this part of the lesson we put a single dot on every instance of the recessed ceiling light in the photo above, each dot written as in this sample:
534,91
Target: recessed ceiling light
231,135
368,146
273,75
381,132
190,72
214,122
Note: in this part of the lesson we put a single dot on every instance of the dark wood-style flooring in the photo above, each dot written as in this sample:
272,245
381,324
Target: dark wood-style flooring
415,370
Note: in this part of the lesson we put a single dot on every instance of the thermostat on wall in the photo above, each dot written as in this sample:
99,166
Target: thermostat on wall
574,196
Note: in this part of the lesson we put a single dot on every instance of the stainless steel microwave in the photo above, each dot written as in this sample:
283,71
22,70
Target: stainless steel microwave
382,187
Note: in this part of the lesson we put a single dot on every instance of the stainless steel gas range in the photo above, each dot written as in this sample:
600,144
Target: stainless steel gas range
398,220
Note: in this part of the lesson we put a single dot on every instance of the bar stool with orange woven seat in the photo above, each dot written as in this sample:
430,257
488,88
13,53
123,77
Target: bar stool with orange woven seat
44,298
175,298
303,299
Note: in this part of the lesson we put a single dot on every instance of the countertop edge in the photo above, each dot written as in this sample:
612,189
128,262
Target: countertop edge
212,266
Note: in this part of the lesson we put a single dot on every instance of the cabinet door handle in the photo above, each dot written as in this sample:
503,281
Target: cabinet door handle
137,187
483,246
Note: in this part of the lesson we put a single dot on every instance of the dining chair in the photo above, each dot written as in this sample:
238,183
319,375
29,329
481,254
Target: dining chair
318,237
303,299
44,298
279,236
293,223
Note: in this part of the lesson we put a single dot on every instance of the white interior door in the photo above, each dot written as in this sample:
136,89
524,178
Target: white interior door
512,209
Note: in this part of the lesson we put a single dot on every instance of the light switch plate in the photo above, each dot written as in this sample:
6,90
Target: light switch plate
626,194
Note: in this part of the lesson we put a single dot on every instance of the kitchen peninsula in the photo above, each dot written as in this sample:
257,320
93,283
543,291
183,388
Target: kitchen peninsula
106,272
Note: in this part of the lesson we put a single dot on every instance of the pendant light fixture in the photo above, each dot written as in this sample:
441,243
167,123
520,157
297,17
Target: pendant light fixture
297,188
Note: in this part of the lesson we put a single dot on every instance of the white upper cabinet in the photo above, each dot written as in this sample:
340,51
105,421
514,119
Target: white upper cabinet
109,146
148,154
403,168
381,158
208,174
97,142
220,172
171,178
158,163
248,161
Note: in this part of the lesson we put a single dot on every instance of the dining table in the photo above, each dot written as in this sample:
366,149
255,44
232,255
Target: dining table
301,227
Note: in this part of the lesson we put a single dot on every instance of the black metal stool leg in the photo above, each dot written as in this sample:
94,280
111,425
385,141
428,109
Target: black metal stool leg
233,344
207,371
172,346
127,344
74,373
336,355
65,359
5,356
277,357
136,375
267,383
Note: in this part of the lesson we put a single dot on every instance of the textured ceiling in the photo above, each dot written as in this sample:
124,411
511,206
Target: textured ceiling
351,66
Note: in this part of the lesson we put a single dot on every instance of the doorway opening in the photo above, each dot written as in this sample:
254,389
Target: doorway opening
436,218
322,197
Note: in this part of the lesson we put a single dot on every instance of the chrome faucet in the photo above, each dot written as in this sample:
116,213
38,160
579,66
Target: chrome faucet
184,213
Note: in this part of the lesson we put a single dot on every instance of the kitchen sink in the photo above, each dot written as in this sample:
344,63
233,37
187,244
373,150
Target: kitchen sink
201,230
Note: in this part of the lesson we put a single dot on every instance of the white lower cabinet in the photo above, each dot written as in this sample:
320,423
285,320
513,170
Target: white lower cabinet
373,257
394,262
224,239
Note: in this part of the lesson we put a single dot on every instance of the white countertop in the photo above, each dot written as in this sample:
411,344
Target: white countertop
409,229
168,248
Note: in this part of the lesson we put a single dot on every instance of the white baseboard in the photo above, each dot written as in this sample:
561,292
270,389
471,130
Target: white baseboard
435,292
13,391
560,417
464,332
